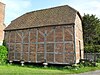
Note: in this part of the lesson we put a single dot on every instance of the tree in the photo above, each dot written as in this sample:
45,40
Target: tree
91,29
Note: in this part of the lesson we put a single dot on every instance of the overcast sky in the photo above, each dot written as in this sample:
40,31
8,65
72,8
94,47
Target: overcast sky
15,8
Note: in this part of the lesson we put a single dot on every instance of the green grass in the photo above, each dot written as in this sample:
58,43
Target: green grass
33,70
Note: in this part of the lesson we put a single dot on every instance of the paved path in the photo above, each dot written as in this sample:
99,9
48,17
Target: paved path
97,72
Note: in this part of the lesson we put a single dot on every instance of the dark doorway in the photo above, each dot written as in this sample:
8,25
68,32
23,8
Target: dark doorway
80,48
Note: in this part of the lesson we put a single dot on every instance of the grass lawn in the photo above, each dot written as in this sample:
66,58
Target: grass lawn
18,70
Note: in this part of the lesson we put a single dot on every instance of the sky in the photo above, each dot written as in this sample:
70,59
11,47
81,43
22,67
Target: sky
16,8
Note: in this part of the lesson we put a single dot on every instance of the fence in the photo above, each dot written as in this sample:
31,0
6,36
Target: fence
92,56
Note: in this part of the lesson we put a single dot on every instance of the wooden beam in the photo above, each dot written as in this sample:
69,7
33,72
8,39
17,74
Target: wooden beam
22,44
54,43
45,42
36,42
74,35
50,32
63,44
41,33
19,34
9,44
28,44
15,46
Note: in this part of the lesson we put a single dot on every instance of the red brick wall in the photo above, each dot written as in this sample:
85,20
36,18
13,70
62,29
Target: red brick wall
2,9
2,12
78,38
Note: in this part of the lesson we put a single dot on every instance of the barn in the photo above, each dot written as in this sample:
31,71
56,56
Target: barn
52,35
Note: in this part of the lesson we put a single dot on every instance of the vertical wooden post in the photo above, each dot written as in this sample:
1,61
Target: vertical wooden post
9,45
22,45
45,40
28,44
36,42
54,43
63,45
15,47
74,33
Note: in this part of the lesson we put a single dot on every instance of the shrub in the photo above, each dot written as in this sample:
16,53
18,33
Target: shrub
97,48
3,54
88,63
88,49
98,60
92,48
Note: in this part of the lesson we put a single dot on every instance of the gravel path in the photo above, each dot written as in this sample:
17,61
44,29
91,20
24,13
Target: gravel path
97,72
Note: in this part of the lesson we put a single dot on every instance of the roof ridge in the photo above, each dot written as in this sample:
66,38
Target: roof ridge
50,8
44,10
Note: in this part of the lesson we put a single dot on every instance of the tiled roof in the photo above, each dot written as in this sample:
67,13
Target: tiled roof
46,17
